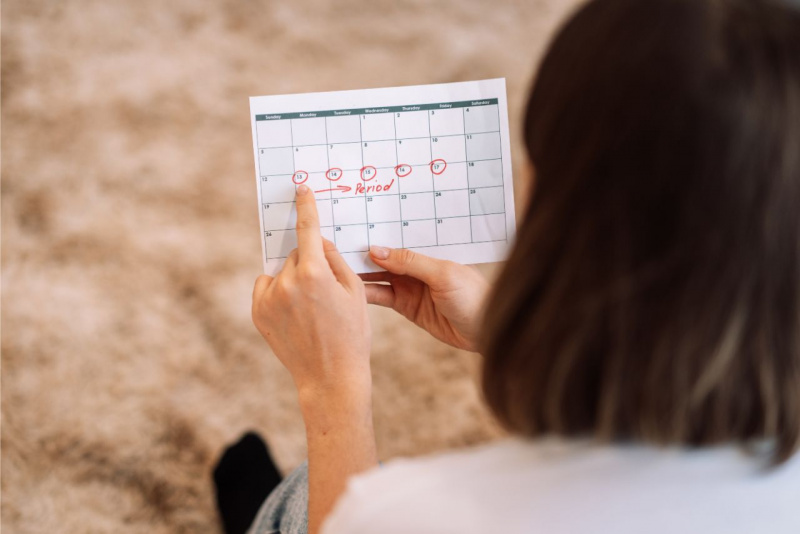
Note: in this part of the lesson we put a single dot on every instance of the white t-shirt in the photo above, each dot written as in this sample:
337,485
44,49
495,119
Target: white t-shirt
556,487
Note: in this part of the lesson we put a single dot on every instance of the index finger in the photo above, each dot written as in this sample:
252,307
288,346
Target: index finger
309,239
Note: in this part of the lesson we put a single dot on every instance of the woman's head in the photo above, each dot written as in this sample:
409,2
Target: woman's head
654,290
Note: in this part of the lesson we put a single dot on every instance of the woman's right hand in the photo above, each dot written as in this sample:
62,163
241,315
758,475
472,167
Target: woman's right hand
442,297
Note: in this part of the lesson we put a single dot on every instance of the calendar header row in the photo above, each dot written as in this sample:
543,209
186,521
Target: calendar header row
371,111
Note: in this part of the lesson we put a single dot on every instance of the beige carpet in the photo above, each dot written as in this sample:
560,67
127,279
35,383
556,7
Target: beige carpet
130,241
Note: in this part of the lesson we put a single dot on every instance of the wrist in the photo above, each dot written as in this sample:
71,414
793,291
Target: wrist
330,404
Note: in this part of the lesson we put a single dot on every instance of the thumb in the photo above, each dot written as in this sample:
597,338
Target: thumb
406,262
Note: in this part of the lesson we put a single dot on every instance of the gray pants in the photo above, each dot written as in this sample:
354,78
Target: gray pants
286,509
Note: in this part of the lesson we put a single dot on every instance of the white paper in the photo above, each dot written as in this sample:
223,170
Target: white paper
424,167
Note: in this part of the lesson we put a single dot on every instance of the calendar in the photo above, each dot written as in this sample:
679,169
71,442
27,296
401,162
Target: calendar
426,168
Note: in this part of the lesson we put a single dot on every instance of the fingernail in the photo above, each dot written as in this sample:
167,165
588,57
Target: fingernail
302,189
379,252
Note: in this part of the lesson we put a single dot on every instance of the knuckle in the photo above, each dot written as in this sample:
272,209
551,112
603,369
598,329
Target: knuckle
308,273
284,288
305,223
405,256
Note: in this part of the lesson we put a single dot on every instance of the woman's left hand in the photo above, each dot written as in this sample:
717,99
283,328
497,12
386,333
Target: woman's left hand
313,313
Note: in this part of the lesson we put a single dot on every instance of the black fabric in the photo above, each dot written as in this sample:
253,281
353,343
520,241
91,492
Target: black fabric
243,478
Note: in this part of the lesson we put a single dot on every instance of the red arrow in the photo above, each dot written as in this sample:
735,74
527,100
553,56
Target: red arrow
342,188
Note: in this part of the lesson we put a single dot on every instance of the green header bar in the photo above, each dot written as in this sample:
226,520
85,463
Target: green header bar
372,111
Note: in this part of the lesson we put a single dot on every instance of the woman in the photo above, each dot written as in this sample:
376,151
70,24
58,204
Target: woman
647,322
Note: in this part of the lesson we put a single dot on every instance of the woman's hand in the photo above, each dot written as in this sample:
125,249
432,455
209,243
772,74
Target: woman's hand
442,297
314,316
313,313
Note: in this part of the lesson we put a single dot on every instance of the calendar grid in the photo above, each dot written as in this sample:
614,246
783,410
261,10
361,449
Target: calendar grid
363,166
476,177
294,159
390,167
464,119
270,229
399,221
397,158
415,246
261,203
433,180
501,164
392,139
330,193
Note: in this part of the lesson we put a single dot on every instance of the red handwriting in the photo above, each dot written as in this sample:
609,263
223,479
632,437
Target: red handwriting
402,170
299,177
342,188
362,189
368,172
438,166
333,174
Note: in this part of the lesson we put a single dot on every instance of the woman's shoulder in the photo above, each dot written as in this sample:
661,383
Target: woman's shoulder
434,493
555,484
480,457
398,493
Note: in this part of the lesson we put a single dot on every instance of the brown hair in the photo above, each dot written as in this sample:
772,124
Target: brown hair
653,293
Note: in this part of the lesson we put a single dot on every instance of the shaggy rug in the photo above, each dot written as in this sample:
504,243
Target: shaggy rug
130,241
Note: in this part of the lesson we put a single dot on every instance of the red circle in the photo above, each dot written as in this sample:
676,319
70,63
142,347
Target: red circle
434,162
328,175
397,170
364,168
297,180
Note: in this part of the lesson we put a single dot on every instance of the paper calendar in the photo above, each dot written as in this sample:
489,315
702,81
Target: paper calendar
422,167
